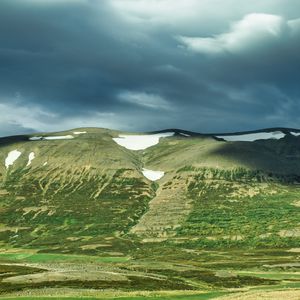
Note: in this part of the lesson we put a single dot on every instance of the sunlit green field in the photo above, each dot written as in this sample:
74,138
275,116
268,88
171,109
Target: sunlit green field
177,274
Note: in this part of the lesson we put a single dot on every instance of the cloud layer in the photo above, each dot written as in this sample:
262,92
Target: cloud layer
203,65
254,31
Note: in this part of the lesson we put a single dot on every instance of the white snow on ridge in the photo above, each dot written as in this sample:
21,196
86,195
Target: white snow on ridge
31,157
153,175
79,132
12,157
184,134
35,138
45,163
140,142
55,137
295,133
251,137
59,137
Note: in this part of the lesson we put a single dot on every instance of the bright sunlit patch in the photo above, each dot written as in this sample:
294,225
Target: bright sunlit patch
153,175
140,142
12,157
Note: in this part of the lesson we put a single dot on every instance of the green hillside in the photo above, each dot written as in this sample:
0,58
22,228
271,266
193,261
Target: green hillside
85,201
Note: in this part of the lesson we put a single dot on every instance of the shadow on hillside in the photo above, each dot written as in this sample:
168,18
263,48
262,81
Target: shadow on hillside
276,156
6,141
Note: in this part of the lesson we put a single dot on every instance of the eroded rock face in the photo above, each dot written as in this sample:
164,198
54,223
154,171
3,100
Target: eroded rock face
167,211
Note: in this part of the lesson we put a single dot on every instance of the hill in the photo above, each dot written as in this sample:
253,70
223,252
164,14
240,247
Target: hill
151,196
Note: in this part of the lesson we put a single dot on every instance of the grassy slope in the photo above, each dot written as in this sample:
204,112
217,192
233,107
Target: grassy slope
89,189
91,194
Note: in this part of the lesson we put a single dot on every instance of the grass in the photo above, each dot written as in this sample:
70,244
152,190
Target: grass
275,276
200,296
165,269
238,209
48,257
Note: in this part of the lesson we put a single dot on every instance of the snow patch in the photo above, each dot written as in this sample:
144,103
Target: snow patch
295,133
56,137
59,137
184,134
140,142
251,137
12,157
31,157
45,163
35,138
79,132
153,175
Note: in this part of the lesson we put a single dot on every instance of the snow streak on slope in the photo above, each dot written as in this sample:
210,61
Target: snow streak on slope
12,157
56,137
31,157
140,142
184,134
251,137
153,175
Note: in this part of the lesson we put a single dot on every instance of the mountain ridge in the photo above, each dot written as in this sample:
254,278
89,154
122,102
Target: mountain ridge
176,130
268,129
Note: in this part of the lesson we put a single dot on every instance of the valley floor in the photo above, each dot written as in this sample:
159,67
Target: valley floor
178,274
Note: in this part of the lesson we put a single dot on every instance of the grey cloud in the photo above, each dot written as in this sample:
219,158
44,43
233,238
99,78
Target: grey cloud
145,100
253,33
118,64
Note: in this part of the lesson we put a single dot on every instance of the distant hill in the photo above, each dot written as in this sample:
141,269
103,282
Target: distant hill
68,190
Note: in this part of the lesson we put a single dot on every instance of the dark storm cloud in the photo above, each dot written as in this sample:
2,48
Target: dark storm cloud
149,64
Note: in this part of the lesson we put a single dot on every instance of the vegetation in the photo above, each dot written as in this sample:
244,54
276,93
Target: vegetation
88,224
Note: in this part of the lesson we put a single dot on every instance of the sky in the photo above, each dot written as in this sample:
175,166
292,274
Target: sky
143,65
